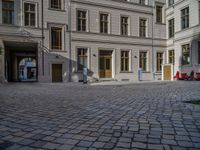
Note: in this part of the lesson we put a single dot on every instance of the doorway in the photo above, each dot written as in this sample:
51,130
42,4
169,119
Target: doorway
105,64
56,72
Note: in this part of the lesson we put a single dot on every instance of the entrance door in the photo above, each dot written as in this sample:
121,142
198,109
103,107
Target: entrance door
56,72
105,64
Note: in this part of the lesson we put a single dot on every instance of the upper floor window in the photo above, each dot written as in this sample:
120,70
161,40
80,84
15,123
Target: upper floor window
159,14
185,18
143,61
171,56
170,2
124,60
29,14
124,25
199,12
7,12
56,38
82,58
142,27
159,61
103,23
142,2
171,28
186,54
81,20
56,4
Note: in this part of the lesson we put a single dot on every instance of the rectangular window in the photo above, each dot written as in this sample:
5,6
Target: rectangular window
56,38
170,2
143,61
29,14
142,27
103,23
7,12
124,25
142,2
81,20
82,58
186,54
171,28
55,4
125,61
185,18
199,51
159,61
199,12
171,56
159,14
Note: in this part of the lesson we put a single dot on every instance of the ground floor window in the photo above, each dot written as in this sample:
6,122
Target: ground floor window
82,58
199,51
186,54
171,56
124,60
159,61
143,61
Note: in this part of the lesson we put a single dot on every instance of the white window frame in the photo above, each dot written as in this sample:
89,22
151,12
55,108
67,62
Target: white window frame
36,13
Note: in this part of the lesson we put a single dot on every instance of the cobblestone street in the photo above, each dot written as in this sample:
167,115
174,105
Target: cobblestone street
79,117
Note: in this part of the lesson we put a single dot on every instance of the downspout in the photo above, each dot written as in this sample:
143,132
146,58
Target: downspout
70,41
153,41
42,21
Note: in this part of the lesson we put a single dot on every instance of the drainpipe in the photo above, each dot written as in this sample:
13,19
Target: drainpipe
153,4
70,41
42,22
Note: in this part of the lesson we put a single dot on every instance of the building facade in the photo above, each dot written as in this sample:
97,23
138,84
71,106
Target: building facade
114,38
183,38
111,38
34,31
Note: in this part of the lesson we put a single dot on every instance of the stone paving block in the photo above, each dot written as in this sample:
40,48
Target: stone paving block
155,146
26,142
84,144
139,145
123,145
109,145
170,142
51,146
98,144
38,144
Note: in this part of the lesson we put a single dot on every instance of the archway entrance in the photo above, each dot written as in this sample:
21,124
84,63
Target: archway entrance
21,63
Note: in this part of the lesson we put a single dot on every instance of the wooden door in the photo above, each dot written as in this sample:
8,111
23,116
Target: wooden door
108,67
56,72
105,67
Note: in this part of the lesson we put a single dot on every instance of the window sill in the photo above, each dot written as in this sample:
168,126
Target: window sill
158,72
31,27
171,38
54,9
126,71
57,50
146,72
158,23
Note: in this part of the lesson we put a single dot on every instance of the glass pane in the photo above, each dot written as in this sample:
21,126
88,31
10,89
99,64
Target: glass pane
108,64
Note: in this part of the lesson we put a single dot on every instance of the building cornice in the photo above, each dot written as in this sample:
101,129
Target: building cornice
111,6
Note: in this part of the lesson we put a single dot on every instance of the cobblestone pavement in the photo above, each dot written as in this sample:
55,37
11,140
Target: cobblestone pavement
79,117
